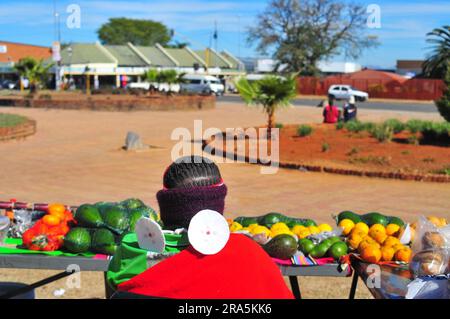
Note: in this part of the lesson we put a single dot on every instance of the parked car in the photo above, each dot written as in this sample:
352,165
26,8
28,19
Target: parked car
343,92
202,84
8,84
161,87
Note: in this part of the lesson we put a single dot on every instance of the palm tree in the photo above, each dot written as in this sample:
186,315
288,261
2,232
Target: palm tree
271,92
151,76
35,71
436,64
170,77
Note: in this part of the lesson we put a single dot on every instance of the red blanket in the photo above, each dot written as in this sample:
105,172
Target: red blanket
242,270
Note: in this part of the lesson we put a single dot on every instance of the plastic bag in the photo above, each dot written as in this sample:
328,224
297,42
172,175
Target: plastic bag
431,249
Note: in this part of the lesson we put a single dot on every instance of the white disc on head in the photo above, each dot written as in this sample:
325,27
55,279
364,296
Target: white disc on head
150,235
208,232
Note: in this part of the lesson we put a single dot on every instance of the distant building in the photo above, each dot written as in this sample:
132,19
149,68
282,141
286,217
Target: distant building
11,53
115,65
409,68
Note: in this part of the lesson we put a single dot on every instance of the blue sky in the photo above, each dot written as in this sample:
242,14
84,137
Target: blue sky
402,33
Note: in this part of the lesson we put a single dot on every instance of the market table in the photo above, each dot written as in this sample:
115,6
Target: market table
325,270
63,263
393,280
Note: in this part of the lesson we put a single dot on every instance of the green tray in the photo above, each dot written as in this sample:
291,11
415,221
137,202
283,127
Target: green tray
12,246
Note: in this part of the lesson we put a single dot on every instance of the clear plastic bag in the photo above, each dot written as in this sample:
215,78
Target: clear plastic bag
431,249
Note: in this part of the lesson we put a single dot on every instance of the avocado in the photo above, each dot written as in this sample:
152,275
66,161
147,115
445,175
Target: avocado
77,240
396,220
246,221
88,216
116,219
375,218
102,206
309,222
104,242
271,218
334,239
349,215
133,203
292,222
283,246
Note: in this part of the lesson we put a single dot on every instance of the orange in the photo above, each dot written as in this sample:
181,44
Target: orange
367,242
371,254
354,240
376,228
391,241
392,229
362,227
380,237
347,226
51,220
404,254
387,253
304,233
313,229
436,221
229,221
398,247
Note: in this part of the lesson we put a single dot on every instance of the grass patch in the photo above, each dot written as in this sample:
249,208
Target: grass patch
279,125
444,171
11,120
304,130
325,147
377,160
353,151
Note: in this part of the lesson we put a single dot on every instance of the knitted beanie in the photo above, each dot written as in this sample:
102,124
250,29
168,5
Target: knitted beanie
191,184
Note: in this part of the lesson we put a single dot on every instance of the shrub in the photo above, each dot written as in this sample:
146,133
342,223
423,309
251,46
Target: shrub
304,130
340,125
432,131
414,126
10,120
396,125
413,140
369,126
325,147
383,133
279,125
354,126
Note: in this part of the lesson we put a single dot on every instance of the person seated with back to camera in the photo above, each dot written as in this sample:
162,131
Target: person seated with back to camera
350,110
241,270
331,113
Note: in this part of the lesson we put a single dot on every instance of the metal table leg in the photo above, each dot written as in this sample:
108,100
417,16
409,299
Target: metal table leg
354,285
295,287
108,290
35,285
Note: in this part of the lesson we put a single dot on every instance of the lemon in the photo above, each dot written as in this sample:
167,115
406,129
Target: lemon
377,227
347,226
279,226
260,230
304,233
297,229
235,226
325,228
251,227
313,230
281,232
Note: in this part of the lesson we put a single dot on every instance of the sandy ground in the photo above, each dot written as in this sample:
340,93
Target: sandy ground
76,157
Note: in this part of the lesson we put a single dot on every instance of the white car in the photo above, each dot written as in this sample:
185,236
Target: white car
343,92
202,84
161,87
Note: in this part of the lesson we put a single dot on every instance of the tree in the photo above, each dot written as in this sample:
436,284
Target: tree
35,71
271,92
436,65
178,45
151,76
139,32
443,104
301,33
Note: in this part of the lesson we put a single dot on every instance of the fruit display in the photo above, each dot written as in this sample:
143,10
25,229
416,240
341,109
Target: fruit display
47,234
101,226
331,247
375,242
370,218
